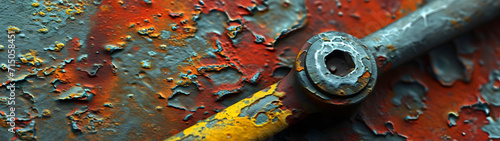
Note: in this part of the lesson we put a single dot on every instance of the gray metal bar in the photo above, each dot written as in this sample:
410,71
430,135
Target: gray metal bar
427,27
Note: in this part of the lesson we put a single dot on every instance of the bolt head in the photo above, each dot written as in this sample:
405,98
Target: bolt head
339,69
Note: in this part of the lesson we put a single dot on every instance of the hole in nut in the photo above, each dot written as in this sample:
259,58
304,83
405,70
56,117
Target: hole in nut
339,63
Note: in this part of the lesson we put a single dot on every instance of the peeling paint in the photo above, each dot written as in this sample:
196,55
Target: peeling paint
490,91
448,67
139,74
493,128
409,88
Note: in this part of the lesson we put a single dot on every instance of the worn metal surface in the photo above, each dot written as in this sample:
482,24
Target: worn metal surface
349,76
154,69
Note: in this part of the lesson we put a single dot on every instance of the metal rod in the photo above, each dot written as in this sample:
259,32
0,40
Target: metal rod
427,27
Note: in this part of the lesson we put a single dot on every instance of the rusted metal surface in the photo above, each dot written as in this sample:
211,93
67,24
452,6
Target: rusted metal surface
347,81
146,70
271,110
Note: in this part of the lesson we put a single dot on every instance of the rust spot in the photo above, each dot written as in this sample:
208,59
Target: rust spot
383,64
299,66
455,23
391,47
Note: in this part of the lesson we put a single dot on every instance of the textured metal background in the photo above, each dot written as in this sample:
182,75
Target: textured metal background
134,70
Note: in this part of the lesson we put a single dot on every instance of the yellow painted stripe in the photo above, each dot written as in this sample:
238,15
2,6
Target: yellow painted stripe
227,125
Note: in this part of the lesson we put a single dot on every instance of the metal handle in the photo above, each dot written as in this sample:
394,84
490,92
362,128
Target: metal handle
426,27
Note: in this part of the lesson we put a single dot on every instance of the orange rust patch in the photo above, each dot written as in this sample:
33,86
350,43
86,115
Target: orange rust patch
298,62
455,23
391,47
381,63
